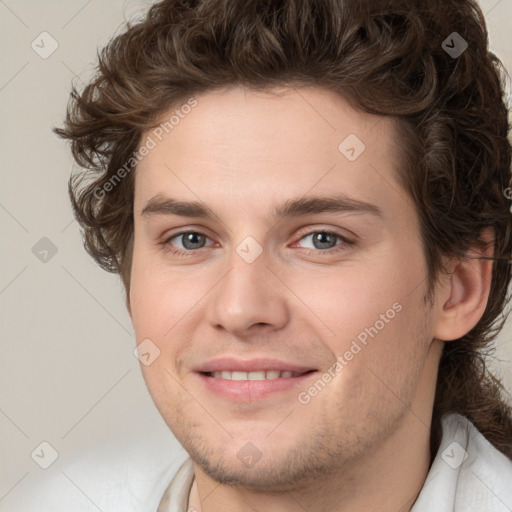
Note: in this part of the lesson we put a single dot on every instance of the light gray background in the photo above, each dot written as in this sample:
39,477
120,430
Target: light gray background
68,374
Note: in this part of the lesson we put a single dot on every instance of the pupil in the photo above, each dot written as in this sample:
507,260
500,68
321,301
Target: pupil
320,239
190,239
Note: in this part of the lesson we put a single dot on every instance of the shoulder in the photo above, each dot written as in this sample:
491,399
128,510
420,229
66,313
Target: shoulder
113,477
485,478
468,473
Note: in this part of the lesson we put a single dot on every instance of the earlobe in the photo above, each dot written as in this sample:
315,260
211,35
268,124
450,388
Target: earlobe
468,290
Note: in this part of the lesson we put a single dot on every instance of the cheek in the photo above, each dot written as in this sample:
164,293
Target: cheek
348,299
166,306
372,315
159,297
158,303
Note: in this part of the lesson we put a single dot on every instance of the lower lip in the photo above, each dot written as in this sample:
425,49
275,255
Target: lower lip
249,390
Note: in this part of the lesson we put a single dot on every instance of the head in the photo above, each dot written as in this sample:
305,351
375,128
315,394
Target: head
247,111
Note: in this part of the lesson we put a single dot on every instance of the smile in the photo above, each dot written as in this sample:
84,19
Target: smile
240,386
256,375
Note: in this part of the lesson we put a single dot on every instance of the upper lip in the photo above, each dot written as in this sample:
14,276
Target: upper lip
250,365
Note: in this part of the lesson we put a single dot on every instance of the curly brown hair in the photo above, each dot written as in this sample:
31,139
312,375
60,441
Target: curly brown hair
386,57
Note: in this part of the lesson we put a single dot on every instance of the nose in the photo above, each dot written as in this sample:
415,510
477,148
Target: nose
248,297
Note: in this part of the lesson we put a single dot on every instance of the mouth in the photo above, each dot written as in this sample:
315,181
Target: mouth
255,375
242,387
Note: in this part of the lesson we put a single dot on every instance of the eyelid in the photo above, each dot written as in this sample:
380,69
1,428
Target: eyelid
171,233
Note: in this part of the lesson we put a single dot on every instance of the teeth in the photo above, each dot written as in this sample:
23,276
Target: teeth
255,375
258,375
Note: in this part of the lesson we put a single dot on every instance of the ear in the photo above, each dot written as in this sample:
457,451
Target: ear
464,299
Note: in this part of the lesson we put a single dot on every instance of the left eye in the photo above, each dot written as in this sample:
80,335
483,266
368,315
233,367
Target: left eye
324,239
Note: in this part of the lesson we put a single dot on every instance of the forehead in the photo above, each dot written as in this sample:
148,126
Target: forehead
258,146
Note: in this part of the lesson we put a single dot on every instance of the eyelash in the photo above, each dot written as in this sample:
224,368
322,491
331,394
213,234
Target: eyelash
337,248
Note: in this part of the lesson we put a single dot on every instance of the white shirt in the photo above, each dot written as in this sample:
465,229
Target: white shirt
467,475
130,479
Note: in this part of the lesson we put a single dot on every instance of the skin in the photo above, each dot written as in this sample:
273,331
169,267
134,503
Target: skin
362,443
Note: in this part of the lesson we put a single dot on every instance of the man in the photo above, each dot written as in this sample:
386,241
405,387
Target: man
306,202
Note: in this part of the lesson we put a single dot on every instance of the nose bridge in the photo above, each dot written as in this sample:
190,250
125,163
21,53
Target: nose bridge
248,294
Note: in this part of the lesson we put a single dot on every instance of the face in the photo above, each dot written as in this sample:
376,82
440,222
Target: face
301,255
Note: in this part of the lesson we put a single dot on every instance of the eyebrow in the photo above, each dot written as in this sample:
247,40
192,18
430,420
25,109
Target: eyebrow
160,205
